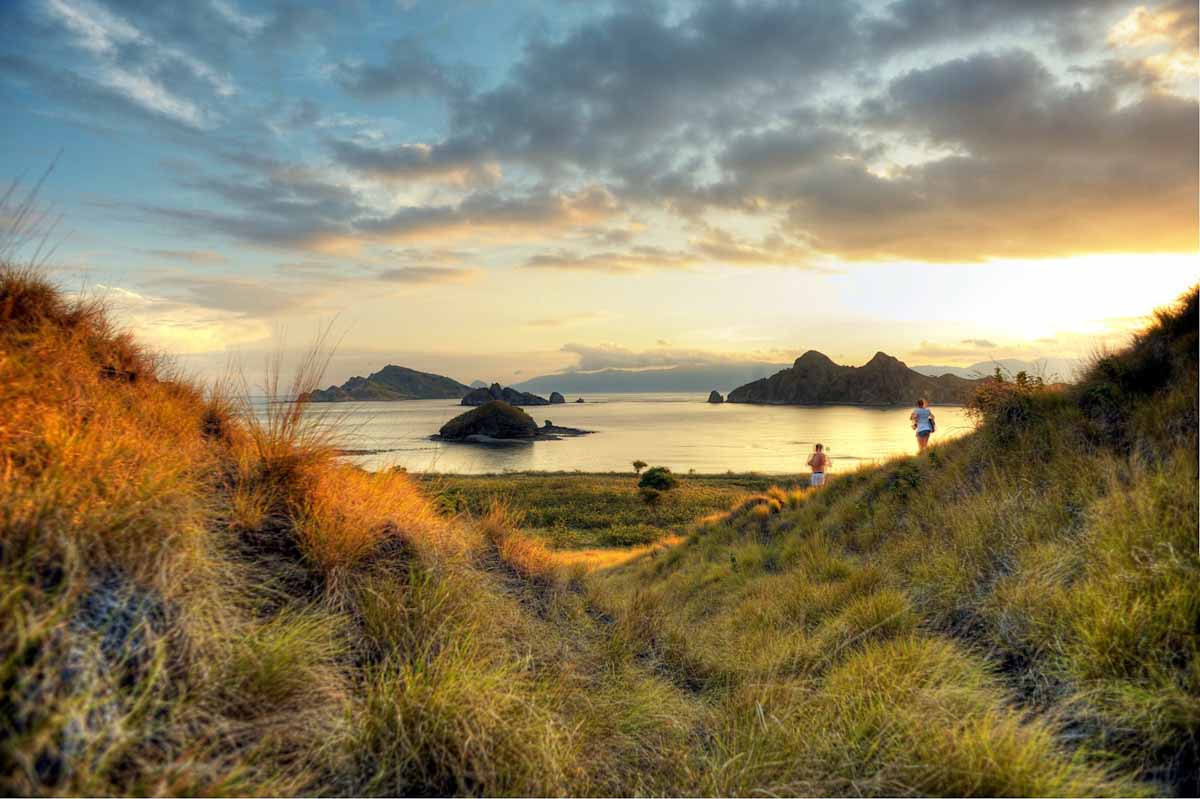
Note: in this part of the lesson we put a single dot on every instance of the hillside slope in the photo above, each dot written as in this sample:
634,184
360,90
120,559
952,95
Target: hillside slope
948,623
816,380
195,601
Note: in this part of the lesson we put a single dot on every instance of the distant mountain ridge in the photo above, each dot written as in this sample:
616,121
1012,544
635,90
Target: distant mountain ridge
392,383
1053,370
814,379
700,379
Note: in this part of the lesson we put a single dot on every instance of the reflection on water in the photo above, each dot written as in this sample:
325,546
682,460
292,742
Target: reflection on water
680,431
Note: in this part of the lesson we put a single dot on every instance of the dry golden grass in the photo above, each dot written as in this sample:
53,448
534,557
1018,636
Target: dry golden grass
591,560
198,600
1011,613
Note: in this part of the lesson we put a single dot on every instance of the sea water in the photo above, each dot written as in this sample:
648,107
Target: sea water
680,431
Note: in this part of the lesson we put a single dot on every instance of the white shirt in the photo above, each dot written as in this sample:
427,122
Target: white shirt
922,416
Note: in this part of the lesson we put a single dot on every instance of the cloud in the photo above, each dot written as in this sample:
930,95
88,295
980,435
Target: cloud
632,93
923,130
495,216
1029,167
564,321
634,260
1169,31
714,248
138,67
908,24
973,348
272,203
408,69
248,24
611,356
416,161
426,275
247,297
182,327
190,256
721,247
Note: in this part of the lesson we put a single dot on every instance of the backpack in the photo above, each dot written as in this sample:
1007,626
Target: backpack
932,424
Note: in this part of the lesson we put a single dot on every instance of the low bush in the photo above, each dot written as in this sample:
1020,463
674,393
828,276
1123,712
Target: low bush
659,478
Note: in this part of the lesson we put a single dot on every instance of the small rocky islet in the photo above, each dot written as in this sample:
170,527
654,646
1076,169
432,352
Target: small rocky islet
482,396
500,422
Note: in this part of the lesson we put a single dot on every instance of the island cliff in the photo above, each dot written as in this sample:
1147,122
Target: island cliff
814,379
391,383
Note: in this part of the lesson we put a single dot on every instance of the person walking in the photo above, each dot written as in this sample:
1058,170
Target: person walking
923,422
818,462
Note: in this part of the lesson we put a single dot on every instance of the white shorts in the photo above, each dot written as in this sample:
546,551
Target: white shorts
818,479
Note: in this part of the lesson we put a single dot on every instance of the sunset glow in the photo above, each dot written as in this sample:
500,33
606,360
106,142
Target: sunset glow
499,189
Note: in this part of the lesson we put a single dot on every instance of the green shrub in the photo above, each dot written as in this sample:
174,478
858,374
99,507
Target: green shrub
658,478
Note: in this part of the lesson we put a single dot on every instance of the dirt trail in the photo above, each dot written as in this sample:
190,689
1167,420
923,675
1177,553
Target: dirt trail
604,558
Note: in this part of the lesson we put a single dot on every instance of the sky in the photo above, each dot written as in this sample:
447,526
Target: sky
502,189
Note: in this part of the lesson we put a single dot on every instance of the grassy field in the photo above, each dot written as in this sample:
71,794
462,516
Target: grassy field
194,600
574,510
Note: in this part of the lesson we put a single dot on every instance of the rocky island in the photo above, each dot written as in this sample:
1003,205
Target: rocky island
498,422
814,379
391,383
482,396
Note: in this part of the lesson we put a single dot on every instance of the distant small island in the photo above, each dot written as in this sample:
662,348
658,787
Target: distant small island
498,422
482,396
391,383
814,379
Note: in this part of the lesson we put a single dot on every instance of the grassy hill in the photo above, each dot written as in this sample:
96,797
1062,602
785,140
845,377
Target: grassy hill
1017,612
195,601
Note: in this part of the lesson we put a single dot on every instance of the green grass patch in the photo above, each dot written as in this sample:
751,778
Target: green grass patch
583,510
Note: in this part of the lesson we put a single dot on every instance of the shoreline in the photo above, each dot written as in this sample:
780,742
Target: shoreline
532,473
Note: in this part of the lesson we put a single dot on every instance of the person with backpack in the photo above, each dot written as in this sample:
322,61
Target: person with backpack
923,422
818,462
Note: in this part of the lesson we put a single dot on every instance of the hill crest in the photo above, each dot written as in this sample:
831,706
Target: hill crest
815,379
392,383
